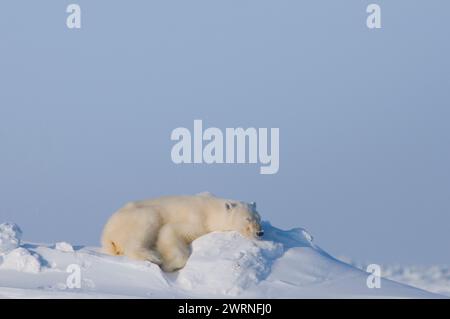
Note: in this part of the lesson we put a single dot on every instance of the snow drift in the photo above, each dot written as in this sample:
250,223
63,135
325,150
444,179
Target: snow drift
285,264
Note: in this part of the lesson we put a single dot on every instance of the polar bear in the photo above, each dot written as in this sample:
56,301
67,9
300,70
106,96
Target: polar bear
160,230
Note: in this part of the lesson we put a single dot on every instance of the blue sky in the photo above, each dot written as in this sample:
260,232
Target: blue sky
86,115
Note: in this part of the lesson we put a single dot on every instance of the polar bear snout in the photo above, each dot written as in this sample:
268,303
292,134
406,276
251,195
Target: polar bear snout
253,229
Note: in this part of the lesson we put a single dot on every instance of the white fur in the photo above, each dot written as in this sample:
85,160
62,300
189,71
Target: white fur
160,230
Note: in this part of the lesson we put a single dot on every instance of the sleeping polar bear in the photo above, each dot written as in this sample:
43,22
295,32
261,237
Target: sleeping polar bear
160,230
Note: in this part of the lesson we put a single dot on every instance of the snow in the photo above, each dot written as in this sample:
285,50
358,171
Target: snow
10,235
64,247
249,262
20,259
11,255
432,278
285,264
435,278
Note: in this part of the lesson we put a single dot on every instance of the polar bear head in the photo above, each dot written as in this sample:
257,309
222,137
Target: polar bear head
244,218
233,215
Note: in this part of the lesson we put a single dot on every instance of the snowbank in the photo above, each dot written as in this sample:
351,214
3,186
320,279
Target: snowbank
240,264
285,264
21,259
13,257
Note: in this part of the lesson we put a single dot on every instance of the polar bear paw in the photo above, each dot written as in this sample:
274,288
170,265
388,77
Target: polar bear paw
174,264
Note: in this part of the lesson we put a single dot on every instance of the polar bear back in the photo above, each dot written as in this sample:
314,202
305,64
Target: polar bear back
181,209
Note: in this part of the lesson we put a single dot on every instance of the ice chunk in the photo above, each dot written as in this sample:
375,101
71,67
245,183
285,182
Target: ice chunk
64,247
10,235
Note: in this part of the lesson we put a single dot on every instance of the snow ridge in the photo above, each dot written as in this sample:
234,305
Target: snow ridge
285,264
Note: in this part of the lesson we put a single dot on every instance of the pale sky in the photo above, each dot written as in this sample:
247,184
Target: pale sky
86,116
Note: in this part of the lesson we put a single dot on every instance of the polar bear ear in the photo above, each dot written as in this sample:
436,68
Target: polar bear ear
253,204
230,206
